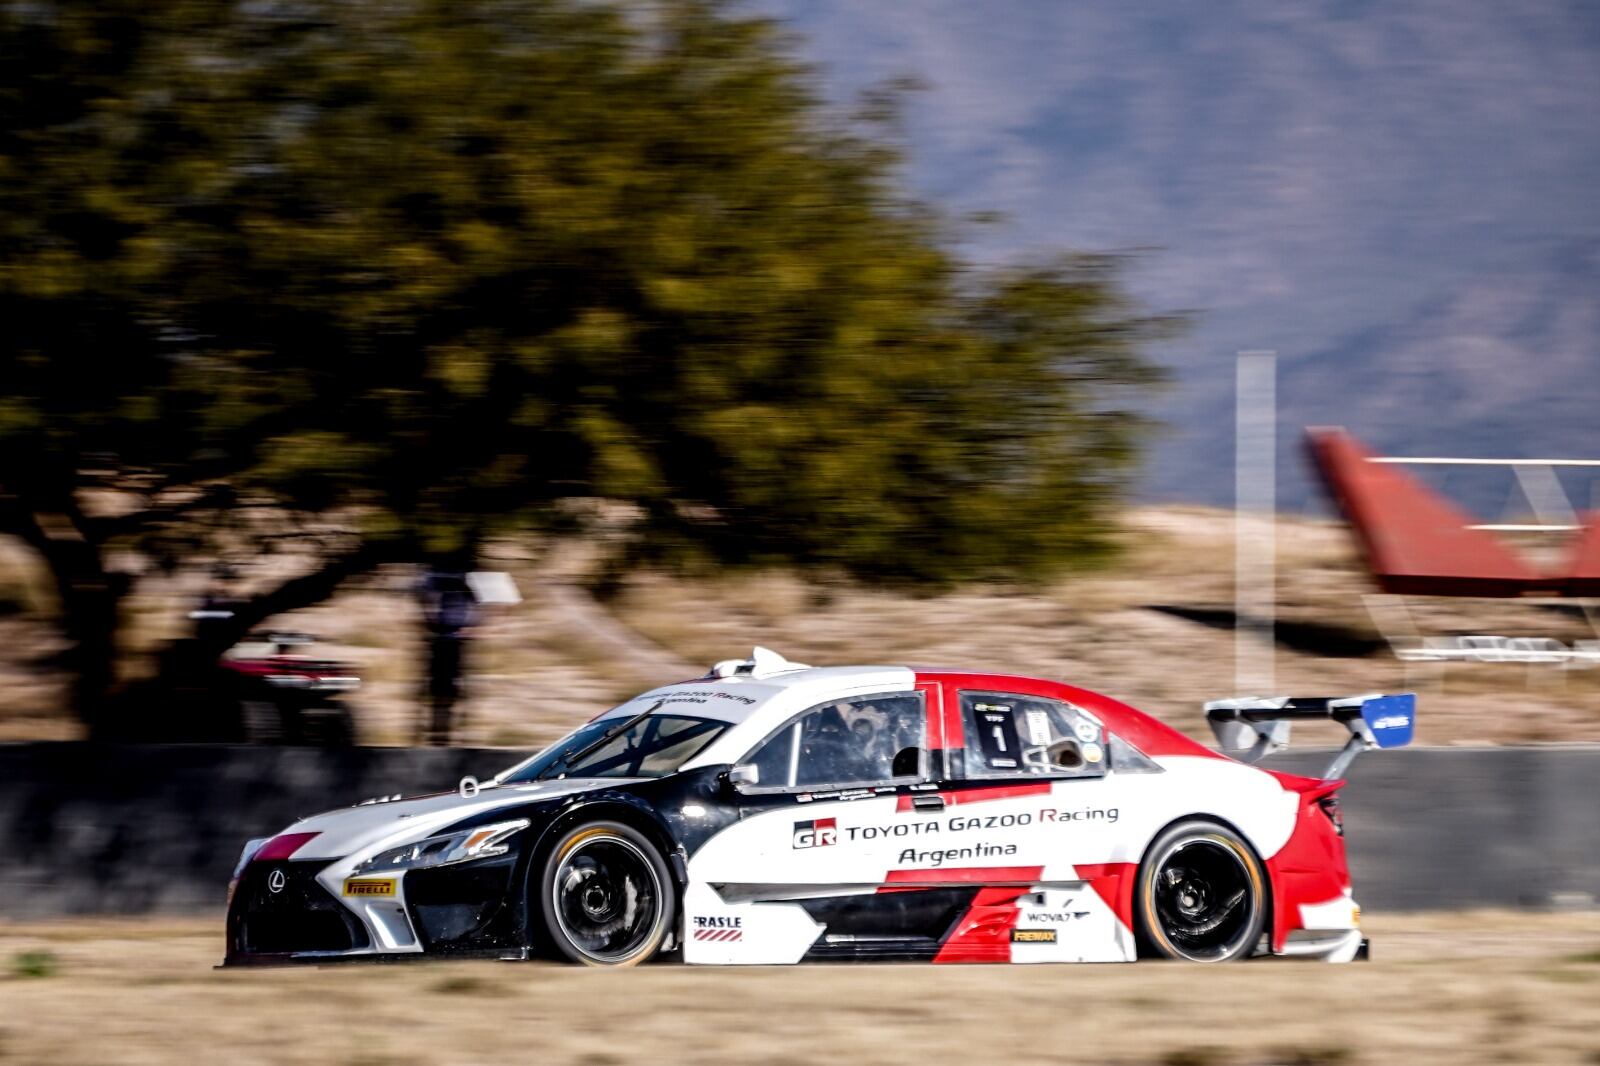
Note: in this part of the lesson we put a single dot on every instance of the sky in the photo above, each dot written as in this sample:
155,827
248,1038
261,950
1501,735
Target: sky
1399,198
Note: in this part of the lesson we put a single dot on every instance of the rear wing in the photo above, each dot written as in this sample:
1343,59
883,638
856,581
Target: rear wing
1250,728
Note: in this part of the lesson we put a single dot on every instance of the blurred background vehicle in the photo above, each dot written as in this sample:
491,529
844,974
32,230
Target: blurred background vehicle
286,697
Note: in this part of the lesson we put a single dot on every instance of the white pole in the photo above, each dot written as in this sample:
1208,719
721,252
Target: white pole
1443,460
1255,488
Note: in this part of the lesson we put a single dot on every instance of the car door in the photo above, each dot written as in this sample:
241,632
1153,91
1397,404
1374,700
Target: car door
1031,812
845,794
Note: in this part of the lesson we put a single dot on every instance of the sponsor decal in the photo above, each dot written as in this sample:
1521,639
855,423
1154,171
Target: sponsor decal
826,832
913,857
718,928
816,833
699,695
1086,731
276,881
847,794
1392,719
369,886
961,823
1087,814
1033,936
1054,917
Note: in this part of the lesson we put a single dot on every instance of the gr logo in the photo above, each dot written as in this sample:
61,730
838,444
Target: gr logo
819,833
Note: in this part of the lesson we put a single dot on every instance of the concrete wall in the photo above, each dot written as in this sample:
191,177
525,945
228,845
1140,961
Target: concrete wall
1470,827
136,829
144,829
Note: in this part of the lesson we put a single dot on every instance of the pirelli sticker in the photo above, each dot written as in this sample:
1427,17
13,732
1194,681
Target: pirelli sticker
1033,936
369,886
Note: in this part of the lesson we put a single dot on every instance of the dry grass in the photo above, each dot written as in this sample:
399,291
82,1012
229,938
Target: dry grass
1447,989
535,673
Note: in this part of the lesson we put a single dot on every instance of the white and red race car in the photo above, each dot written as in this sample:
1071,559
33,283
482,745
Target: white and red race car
772,812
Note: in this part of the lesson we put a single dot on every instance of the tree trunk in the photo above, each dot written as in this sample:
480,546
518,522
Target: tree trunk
90,600
304,591
91,619
190,698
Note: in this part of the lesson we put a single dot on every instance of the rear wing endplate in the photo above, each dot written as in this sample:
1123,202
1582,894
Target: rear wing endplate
1250,728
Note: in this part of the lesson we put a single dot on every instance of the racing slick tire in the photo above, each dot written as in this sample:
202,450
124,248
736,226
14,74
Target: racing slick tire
607,896
1201,895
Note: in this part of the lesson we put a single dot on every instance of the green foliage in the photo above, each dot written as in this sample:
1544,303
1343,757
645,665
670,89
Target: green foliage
34,964
452,266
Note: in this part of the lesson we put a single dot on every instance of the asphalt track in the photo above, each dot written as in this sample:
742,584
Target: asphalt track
1456,989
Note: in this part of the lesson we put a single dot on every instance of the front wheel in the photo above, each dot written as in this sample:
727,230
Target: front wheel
1201,894
607,897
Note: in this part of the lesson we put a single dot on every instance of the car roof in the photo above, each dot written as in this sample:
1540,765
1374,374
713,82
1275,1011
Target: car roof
1149,735
738,697
756,695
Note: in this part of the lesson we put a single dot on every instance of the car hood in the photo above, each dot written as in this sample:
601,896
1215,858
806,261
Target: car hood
375,825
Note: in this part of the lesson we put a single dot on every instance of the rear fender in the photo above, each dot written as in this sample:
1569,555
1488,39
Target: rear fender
1311,867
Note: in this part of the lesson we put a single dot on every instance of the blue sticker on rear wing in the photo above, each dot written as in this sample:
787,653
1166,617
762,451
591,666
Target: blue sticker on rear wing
1391,719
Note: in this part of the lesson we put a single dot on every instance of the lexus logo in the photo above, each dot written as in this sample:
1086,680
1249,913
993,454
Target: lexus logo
275,881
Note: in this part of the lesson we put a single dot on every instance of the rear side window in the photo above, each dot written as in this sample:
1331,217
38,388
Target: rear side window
1027,736
868,740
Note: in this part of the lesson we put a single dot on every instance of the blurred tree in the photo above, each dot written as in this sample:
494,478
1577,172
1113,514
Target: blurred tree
391,277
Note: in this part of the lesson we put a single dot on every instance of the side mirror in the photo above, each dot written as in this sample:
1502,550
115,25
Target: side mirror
748,774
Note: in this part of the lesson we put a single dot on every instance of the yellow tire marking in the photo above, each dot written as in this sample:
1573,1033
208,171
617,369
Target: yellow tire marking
645,950
576,839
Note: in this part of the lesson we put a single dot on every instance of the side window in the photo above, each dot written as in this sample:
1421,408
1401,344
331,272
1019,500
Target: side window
866,740
676,741
1027,736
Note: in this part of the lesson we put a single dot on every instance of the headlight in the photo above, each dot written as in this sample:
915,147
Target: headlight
480,843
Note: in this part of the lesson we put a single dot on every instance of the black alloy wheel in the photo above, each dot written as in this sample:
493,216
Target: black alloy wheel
607,896
1201,895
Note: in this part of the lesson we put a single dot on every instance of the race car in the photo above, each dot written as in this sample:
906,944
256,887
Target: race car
772,812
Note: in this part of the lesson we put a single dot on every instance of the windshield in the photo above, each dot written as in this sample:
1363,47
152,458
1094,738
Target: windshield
649,745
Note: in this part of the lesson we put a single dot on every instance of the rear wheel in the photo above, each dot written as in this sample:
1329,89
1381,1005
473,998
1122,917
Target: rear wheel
1201,895
607,896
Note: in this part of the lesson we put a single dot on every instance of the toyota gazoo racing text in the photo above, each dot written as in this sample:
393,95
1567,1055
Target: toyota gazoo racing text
771,812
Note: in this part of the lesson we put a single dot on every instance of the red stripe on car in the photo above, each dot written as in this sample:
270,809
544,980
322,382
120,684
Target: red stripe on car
281,846
984,932
1113,883
910,880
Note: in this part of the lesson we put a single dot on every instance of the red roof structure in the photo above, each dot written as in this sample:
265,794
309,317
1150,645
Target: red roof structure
1418,543
1583,572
